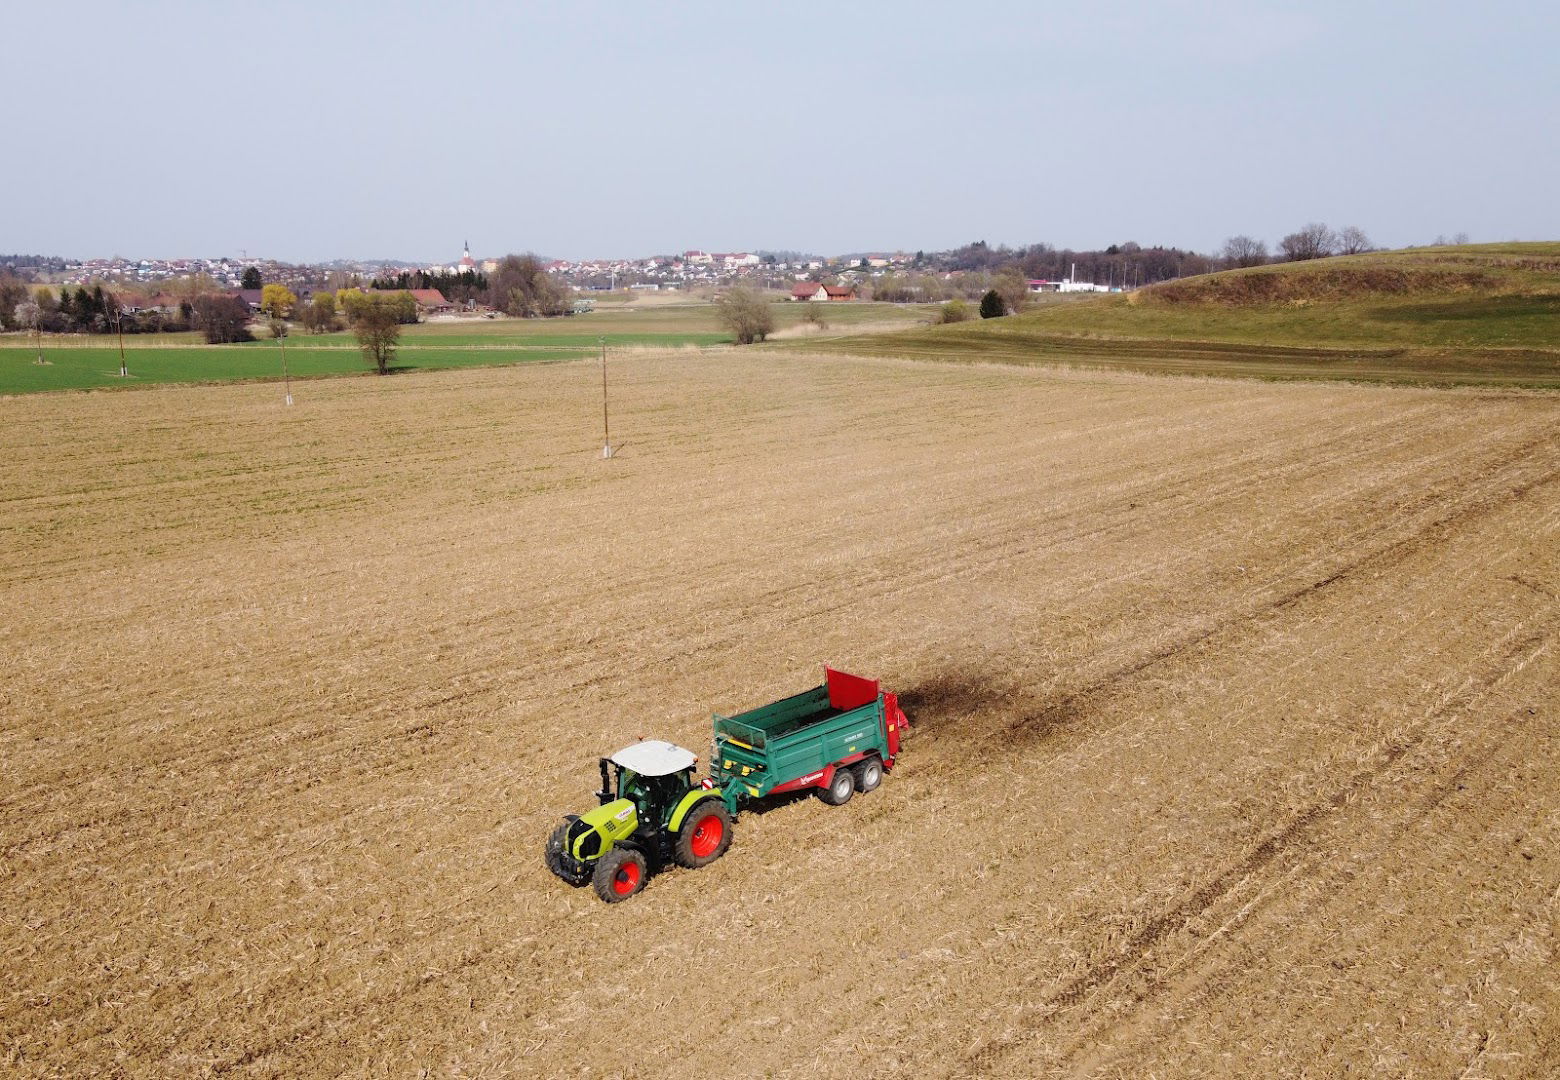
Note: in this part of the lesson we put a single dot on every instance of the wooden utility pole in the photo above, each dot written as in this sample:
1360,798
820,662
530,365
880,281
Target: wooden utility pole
286,377
606,429
119,324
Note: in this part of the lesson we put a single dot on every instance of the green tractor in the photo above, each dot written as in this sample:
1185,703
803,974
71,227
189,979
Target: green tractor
653,811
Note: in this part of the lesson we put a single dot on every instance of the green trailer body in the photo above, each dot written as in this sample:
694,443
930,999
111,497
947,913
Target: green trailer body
802,741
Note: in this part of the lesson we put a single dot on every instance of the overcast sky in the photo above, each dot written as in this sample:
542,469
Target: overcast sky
314,131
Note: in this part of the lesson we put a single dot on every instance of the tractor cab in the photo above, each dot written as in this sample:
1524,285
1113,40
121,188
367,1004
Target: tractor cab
653,775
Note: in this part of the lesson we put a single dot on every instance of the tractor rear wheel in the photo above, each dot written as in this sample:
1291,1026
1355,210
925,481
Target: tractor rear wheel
705,834
869,774
842,785
555,861
620,873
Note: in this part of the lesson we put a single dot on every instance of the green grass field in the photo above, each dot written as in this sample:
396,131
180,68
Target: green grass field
79,362
1484,314
89,368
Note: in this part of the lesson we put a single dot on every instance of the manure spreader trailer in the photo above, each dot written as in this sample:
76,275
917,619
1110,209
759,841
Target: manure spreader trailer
838,738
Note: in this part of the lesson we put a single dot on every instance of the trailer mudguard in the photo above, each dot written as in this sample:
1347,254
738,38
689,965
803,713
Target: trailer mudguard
688,802
895,722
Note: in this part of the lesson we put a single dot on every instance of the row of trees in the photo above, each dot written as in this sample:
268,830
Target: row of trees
376,317
461,288
220,317
1120,264
1315,240
520,286
92,310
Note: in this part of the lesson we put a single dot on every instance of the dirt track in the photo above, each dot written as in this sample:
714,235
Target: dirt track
1236,724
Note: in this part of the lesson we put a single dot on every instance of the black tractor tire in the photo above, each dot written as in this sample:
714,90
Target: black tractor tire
555,861
869,774
841,787
705,834
620,873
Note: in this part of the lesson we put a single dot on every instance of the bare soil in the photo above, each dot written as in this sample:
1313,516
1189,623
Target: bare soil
1234,751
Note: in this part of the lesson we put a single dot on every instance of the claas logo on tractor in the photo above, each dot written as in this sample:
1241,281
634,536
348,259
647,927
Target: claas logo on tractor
838,738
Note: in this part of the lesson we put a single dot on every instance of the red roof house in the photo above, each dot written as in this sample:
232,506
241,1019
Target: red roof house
431,300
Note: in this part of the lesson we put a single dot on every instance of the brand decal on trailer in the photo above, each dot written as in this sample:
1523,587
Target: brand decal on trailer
857,735
806,779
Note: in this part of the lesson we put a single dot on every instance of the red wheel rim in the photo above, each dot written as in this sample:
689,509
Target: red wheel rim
706,836
626,879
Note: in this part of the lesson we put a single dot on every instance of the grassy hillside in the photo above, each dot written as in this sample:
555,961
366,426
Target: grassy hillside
1471,314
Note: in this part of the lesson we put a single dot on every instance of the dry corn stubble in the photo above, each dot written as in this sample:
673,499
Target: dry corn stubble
1235,723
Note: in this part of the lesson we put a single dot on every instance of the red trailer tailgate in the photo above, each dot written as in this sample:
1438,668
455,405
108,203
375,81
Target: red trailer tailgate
849,691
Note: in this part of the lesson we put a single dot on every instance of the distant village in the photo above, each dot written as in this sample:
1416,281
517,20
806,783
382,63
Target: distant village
689,269
802,277
222,296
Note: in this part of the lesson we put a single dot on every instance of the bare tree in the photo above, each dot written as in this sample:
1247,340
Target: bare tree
746,314
376,319
522,286
319,314
1011,285
1352,240
1244,251
222,319
1314,241
13,293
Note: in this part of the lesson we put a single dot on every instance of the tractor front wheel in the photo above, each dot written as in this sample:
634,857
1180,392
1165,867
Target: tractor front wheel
842,785
705,834
620,873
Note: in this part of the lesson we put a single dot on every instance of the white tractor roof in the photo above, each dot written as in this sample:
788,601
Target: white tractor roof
654,758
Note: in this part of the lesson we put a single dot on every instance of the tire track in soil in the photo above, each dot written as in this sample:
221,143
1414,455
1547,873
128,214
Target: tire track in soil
1134,952
941,693
1331,881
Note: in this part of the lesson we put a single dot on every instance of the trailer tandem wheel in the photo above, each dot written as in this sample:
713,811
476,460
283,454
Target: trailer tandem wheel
841,787
869,774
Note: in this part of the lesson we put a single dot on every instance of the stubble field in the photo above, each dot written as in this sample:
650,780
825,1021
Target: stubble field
1234,704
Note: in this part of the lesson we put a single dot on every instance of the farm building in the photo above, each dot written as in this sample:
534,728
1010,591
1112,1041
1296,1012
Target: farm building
812,290
1065,285
431,300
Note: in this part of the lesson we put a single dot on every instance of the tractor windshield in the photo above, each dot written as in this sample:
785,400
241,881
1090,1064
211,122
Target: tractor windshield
655,796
